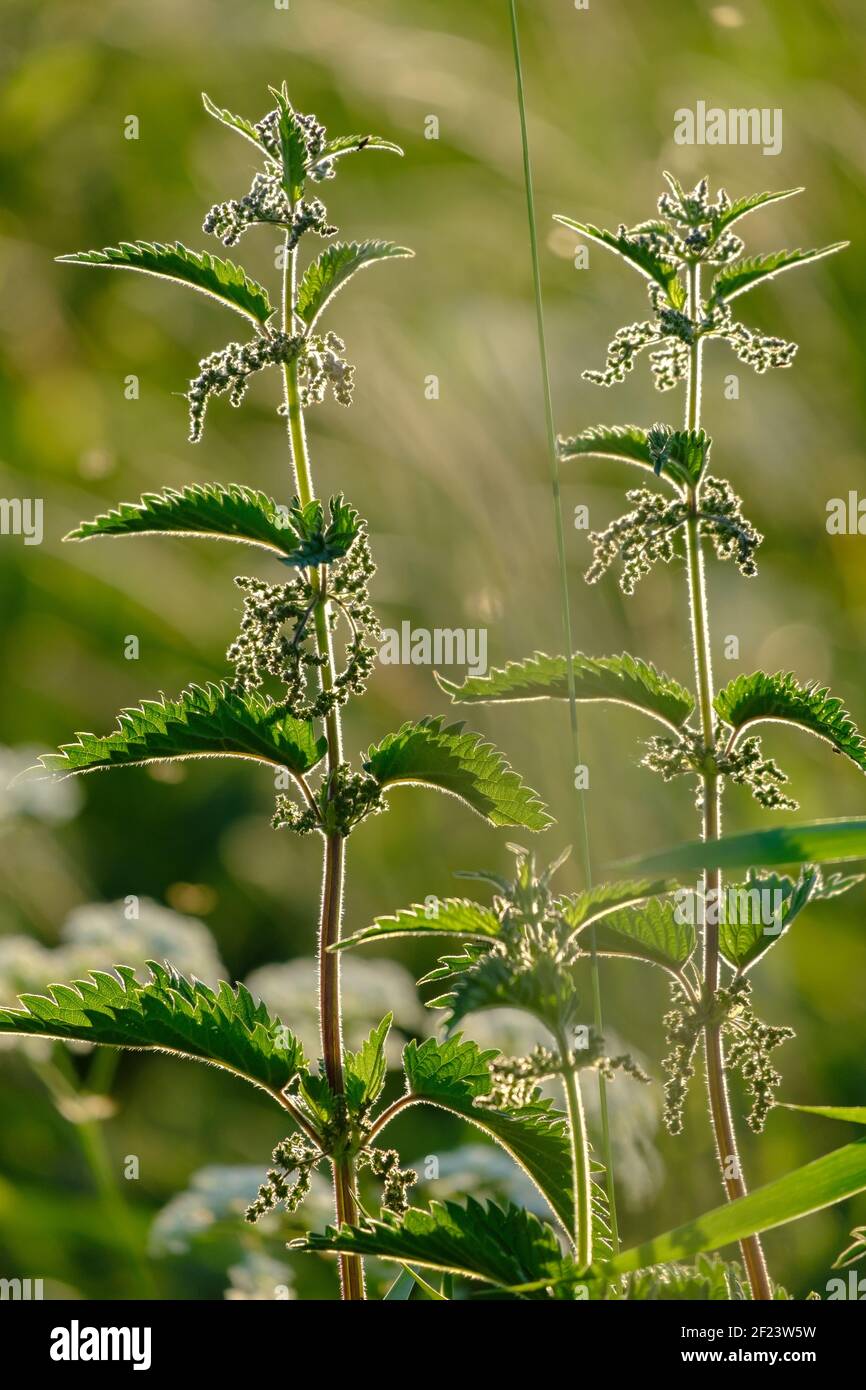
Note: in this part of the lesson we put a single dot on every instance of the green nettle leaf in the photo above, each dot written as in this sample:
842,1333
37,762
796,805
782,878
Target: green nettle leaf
781,698
233,513
744,275
480,981
651,932
319,542
210,721
336,265
299,535
827,1180
365,1070
757,913
741,206
819,842
503,1246
626,443
709,1280
451,1073
431,754
636,253
168,1013
455,1075
211,275
440,917
233,122
683,453
353,144
679,455
583,909
319,1100
623,679
293,146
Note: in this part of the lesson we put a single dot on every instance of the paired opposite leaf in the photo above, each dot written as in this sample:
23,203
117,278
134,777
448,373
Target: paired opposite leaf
681,459
745,274
506,1247
781,698
651,932
211,275
233,122
299,535
365,1070
354,144
455,1075
170,1014
445,917
444,757
741,206
450,1073
757,913
637,254
336,265
581,910
622,679
203,722
232,513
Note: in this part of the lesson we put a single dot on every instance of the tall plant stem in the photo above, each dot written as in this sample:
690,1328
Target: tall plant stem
714,1055
553,457
334,865
580,1169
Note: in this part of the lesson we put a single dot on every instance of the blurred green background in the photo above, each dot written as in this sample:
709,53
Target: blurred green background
457,497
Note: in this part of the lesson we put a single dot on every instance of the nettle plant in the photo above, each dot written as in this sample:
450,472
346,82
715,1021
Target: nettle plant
710,939
305,648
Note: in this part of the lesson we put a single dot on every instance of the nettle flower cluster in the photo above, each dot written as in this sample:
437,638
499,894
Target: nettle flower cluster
749,1041
271,201
531,963
691,231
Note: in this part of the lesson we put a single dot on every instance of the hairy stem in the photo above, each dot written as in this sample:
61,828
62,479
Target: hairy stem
330,920
714,1056
580,1170
562,566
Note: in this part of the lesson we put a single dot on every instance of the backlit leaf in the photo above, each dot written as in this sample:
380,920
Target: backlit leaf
744,275
431,754
222,280
202,722
336,265
168,1014
636,253
622,679
780,698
